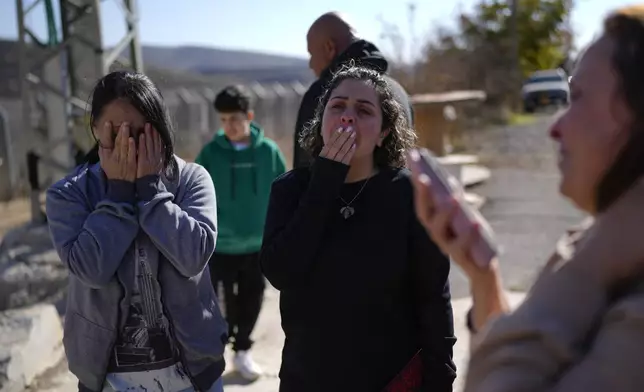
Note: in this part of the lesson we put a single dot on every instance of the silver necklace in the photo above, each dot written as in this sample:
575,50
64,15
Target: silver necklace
347,211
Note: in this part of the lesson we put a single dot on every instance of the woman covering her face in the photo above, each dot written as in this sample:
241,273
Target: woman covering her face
581,327
136,230
363,288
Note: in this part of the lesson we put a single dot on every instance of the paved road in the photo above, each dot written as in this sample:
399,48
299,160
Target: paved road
523,207
523,203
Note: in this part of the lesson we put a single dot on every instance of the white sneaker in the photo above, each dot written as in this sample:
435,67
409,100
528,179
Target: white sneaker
244,364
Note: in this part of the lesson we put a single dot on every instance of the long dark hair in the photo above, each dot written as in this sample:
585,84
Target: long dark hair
626,30
139,91
400,138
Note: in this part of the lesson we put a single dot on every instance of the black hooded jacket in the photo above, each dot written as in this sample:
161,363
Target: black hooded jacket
363,53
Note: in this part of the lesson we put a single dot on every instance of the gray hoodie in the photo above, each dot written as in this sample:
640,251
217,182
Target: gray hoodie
97,224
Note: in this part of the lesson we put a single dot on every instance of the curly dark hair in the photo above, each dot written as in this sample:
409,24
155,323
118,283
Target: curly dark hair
401,137
625,28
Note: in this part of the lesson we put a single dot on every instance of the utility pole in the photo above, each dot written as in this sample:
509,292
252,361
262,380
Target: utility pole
391,32
413,44
514,40
569,43
56,79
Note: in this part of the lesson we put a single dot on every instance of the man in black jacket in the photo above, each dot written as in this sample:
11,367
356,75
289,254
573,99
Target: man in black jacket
332,42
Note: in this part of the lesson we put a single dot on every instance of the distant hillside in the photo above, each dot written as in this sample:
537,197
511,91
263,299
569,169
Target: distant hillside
261,67
186,66
196,57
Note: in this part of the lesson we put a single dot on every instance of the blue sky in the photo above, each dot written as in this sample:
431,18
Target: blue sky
280,26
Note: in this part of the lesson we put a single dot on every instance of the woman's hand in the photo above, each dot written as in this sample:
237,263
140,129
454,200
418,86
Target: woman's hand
341,146
437,220
150,159
485,282
118,157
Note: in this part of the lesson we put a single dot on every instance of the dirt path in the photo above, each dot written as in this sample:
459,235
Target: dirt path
13,214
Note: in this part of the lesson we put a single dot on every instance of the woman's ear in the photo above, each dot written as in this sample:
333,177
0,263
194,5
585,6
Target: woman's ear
381,138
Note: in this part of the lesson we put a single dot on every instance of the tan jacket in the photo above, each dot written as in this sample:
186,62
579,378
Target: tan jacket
569,335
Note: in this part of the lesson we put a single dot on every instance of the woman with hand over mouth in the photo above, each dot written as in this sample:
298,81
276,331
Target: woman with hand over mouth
363,288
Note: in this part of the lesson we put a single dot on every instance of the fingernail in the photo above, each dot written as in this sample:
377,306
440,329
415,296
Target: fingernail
339,130
353,134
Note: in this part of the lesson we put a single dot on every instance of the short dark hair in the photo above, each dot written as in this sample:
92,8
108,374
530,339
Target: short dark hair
233,99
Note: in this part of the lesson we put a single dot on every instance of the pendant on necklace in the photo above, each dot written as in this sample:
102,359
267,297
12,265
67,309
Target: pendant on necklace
347,212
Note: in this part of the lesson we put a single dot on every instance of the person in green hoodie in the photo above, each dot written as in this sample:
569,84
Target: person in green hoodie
243,164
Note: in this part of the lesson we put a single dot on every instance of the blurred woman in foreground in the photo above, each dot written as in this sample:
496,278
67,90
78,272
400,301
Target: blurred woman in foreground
581,327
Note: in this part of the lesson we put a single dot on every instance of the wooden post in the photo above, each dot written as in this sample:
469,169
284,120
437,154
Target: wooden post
432,128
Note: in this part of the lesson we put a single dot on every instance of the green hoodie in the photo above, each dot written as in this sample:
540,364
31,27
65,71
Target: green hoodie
243,181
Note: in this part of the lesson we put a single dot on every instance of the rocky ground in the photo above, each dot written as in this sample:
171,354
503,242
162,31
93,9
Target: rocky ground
522,206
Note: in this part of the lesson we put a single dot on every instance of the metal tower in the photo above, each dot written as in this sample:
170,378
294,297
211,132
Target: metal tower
57,77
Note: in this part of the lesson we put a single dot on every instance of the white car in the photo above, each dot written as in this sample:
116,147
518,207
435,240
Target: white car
545,88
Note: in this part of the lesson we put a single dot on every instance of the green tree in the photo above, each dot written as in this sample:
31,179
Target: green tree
478,53
542,31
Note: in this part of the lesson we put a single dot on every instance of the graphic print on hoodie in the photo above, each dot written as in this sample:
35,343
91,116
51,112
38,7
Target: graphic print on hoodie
243,179
145,341
144,356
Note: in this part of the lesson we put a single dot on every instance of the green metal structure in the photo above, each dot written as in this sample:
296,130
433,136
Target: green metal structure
57,76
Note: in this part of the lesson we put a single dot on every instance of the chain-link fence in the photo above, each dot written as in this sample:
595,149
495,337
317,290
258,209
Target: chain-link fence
196,120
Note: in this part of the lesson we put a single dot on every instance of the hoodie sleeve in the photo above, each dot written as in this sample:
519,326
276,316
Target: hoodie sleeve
295,222
186,232
92,243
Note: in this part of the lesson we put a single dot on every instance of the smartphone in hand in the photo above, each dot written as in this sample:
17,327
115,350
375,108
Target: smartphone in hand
445,187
